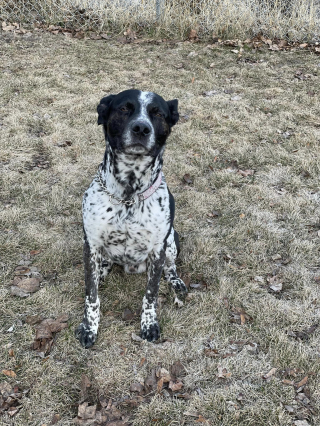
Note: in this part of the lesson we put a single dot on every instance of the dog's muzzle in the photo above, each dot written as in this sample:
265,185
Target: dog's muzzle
140,138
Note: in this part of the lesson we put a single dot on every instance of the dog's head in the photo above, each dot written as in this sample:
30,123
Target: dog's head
137,122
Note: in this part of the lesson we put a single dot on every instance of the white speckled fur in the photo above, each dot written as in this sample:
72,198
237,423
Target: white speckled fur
133,237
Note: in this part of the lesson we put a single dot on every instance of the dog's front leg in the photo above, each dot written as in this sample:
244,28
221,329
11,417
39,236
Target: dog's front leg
150,329
87,330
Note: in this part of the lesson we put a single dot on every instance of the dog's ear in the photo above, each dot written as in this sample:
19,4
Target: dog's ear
173,107
103,109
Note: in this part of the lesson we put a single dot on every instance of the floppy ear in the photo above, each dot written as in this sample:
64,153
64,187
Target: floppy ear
173,107
103,109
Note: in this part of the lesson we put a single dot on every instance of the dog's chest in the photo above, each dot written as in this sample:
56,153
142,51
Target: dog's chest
126,234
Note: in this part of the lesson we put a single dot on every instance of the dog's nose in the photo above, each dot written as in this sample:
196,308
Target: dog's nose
140,128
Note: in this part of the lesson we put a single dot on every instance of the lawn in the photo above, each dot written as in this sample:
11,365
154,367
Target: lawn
243,165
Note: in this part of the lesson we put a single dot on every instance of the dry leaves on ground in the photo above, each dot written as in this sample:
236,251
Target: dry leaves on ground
187,179
304,334
303,405
239,316
27,278
234,347
10,399
45,332
245,173
275,284
161,379
269,375
109,415
223,373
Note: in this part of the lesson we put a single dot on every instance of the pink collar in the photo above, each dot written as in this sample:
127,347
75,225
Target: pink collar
141,197
152,189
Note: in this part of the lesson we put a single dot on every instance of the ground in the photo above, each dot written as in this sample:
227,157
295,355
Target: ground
243,166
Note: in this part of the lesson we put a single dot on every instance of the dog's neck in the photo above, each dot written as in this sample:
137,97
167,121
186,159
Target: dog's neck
128,174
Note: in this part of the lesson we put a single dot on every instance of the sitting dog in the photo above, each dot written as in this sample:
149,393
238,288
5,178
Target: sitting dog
128,209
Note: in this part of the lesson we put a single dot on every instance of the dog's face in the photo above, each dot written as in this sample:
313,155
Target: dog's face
137,122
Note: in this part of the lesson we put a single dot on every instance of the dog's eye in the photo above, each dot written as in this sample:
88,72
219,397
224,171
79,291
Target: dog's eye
124,109
158,114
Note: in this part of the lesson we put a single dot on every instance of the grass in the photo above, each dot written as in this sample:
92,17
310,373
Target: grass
50,88
293,20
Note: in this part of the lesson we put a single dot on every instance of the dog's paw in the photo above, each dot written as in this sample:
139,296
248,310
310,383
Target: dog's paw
150,332
85,336
179,287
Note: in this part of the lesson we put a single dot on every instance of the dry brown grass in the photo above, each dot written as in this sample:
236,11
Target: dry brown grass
291,19
50,87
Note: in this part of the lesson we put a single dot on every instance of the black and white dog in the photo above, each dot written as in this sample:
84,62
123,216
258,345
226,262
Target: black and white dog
128,209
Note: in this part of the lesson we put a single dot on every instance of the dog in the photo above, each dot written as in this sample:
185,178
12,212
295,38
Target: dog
128,210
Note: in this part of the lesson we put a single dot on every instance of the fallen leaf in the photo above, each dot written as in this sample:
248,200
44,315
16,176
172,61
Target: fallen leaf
163,374
198,286
193,35
45,333
63,144
9,399
11,352
283,43
136,338
289,408
85,384
34,319
174,386
269,374
34,252
16,291
239,316
302,382
276,287
177,370
150,382
187,179
201,419
6,27
128,315
9,373
136,387
87,412
29,285
142,361
288,382
13,410
304,334
159,385
246,173
21,270
242,215
223,373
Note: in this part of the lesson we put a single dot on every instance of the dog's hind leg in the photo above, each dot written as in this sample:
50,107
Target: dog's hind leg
170,271
88,329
